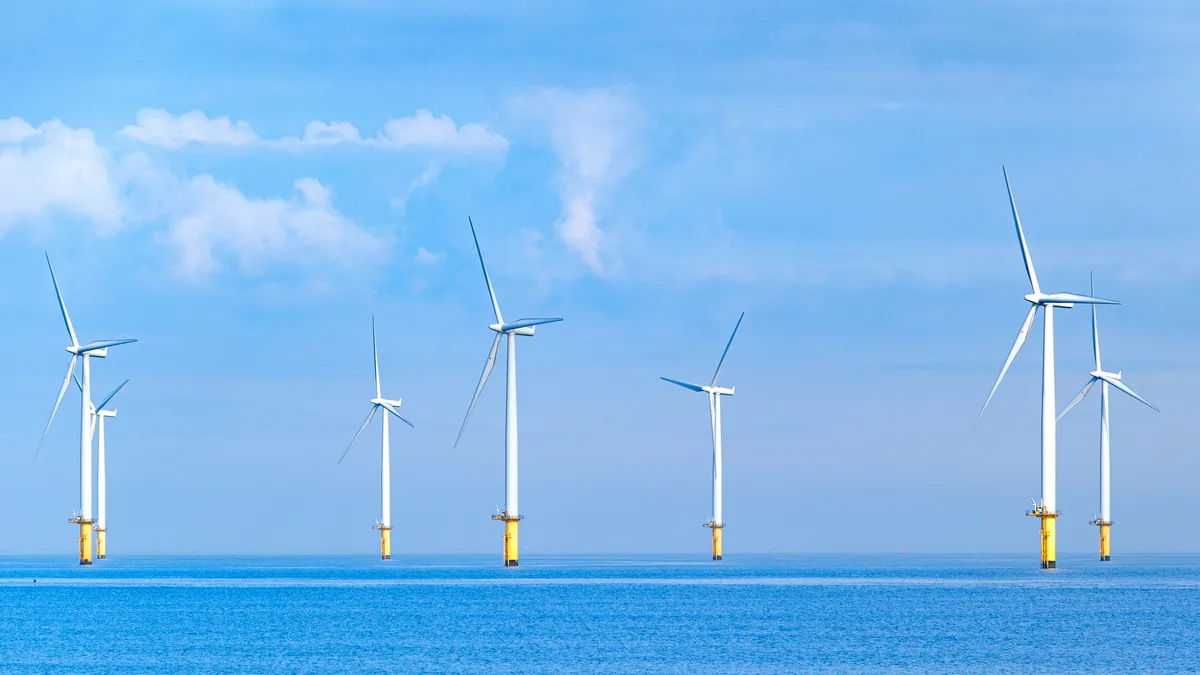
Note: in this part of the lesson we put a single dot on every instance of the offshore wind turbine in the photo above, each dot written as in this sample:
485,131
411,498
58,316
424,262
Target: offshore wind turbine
1045,509
510,330
98,349
391,407
1105,378
715,392
100,413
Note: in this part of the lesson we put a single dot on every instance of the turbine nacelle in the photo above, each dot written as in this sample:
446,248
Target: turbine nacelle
719,391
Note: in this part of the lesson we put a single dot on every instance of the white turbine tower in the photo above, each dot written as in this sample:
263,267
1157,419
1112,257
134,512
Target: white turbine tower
717,522
511,515
1105,379
1044,509
86,352
99,413
392,407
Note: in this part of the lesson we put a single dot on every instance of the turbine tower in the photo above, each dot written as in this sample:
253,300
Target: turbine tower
86,352
392,407
511,515
717,522
1045,508
101,522
1105,378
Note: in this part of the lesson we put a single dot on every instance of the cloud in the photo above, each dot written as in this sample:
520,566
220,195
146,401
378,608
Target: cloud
427,176
420,131
592,133
425,257
161,128
215,220
54,168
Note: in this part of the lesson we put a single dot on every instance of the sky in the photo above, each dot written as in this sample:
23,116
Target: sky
243,186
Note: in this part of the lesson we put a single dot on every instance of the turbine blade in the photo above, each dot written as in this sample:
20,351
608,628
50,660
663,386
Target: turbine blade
366,422
491,291
1095,329
1012,354
1078,397
1078,299
390,408
1029,272
104,344
62,305
685,385
487,370
523,323
57,402
727,345
1125,388
77,382
375,351
110,396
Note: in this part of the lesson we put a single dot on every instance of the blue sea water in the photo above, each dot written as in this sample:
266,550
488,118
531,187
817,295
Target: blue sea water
747,614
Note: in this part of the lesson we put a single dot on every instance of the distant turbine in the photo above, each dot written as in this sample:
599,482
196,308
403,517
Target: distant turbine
717,522
1105,378
511,516
385,522
101,522
1045,509
86,352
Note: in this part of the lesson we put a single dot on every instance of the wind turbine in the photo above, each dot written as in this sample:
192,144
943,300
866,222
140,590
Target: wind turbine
86,352
393,407
101,522
1045,509
511,515
1105,378
717,522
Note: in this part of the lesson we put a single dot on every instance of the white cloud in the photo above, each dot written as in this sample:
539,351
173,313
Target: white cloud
161,128
420,131
423,130
427,176
425,257
592,134
54,168
214,219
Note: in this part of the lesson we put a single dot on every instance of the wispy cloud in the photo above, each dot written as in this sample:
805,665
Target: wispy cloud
427,257
54,168
427,176
161,128
593,134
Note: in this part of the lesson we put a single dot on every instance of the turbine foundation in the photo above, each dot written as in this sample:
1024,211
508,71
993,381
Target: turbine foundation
1049,541
85,540
510,537
1105,542
716,539
101,549
385,541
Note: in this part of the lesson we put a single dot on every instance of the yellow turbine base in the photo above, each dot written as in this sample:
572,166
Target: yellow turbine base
101,549
1049,543
510,538
716,539
385,541
85,540
1105,541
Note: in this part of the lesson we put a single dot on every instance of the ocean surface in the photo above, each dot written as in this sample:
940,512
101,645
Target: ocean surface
747,614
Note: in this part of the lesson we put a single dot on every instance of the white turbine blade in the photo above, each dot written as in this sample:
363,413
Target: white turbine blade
1021,236
375,351
491,291
388,407
523,323
57,402
1095,329
727,345
685,385
1123,387
487,370
110,396
1077,299
366,422
62,305
104,344
1012,354
1078,397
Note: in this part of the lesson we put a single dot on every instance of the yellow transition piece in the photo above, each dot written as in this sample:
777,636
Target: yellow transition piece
716,539
510,538
101,548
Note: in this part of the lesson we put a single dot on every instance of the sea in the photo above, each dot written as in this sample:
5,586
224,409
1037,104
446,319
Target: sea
614,614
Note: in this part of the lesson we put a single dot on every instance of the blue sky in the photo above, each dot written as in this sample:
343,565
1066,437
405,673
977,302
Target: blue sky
241,186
